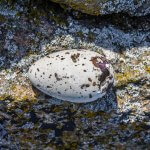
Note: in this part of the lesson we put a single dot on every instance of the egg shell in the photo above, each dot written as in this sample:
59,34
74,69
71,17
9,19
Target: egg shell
72,75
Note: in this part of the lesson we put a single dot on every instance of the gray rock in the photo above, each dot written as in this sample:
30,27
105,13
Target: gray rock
102,7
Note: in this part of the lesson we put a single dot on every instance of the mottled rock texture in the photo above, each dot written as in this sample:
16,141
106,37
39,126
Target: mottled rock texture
31,120
102,7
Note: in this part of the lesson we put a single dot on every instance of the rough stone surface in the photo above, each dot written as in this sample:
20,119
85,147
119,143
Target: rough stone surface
103,7
31,120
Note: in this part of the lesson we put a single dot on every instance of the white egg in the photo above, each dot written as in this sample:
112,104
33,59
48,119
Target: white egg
72,75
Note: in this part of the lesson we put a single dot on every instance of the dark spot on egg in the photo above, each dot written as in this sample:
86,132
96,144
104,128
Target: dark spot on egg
84,86
90,79
30,70
50,76
67,53
50,63
65,77
57,78
35,74
84,58
41,76
84,70
90,96
62,58
43,73
104,75
95,61
94,83
38,85
49,87
48,56
59,92
83,64
102,65
75,57
111,77
57,55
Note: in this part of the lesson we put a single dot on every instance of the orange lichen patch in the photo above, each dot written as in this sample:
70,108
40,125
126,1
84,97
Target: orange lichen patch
126,77
22,92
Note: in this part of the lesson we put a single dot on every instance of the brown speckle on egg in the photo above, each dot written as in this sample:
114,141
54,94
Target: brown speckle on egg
57,78
85,86
95,61
94,83
104,75
75,57
90,79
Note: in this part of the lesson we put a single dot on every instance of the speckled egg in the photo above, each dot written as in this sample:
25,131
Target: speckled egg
72,75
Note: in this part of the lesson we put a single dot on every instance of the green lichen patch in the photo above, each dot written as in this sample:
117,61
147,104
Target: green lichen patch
126,77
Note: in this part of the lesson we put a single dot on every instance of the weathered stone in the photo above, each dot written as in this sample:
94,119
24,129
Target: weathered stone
102,7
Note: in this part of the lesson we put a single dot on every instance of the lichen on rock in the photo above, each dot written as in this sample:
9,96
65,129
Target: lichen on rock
31,120
102,7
